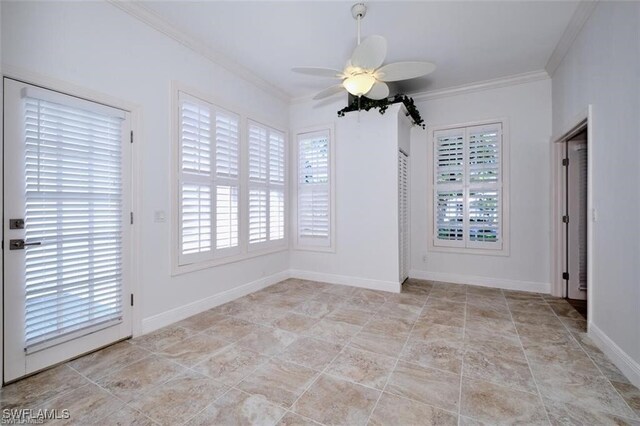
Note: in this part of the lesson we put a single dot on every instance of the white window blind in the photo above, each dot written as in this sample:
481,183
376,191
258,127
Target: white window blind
209,180
468,187
266,185
314,189
74,202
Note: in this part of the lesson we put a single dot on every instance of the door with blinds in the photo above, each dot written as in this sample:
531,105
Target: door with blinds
403,213
66,227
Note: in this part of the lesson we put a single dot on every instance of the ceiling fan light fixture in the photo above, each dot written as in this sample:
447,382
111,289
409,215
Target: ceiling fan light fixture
359,84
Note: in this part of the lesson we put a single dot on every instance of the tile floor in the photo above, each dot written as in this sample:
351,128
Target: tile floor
303,353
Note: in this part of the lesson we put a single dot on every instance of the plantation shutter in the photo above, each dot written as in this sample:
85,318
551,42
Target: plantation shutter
403,213
468,187
266,185
314,189
74,209
227,181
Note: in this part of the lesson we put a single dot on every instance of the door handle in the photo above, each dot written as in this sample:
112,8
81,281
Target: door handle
20,244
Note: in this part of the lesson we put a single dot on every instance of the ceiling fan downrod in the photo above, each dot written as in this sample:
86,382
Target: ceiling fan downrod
358,11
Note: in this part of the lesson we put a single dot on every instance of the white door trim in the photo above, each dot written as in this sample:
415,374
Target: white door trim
578,123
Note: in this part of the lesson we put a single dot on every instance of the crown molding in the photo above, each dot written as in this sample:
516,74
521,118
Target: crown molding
147,16
480,86
580,16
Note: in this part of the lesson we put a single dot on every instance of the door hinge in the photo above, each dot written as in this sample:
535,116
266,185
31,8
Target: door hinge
565,219
131,217
565,161
131,299
132,136
565,275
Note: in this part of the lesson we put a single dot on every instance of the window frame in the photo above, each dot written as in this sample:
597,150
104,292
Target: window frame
235,254
298,243
466,246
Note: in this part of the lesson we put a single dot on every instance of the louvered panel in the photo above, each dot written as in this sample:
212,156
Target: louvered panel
227,144
484,216
258,153
195,137
226,216
582,216
257,215
449,158
73,207
450,215
313,212
485,143
313,160
403,210
276,157
195,217
276,215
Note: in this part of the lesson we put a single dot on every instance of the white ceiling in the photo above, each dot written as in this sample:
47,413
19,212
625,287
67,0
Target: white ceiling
469,41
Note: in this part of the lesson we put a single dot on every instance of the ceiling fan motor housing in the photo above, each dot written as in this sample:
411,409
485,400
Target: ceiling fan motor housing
358,10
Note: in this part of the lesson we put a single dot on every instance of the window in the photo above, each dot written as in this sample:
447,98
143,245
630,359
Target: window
314,190
209,181
266,185
469,195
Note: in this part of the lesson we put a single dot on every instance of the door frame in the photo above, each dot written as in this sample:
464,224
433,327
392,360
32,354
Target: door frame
582,121
135,111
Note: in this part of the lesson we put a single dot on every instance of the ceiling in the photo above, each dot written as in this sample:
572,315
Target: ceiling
469,41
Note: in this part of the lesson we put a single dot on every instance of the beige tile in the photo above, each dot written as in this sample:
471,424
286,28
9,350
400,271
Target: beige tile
284,301
231,329
280,382
608,368
533,335
442,286
379,342
201,321
437,316
315,308
34,390
443,354
261,314
312,353
533,306
350,316
107,360
563,414
179,399
484,291
233,308
333,401
239,408
295,323
451,296
495,404
497,303
407,298
506,370
546,320
417,289
394,326
493,343
562,308
292,419
434,387
522,295
500,325
393,410
267,341
426,331
126,416
332,331
630,394
328,298
85,404
340,290
194,349
561,354
231,365
399,310
487,311
363,367
138,378
366,299
445,305
575,324
162,338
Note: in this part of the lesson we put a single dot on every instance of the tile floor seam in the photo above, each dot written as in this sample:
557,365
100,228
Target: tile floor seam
535,382
395,366
464,334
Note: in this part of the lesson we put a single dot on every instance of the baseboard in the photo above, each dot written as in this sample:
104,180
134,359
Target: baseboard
626,364
532,286
393,287
177,314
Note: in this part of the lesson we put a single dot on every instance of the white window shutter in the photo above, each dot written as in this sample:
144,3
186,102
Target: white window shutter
227,148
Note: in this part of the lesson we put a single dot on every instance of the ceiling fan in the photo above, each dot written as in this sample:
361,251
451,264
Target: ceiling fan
364,74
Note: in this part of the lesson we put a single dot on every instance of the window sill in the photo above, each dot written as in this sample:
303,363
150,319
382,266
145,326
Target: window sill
198,266
504,252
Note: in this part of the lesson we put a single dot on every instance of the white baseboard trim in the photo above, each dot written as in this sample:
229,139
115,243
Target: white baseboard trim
532,286
626,364
369,283
181,312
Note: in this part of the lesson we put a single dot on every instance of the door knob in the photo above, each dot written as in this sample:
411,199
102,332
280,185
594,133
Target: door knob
20,244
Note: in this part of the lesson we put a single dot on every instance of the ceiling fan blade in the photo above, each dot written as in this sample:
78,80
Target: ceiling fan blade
318,72
330,91
378,91
370,53
404,70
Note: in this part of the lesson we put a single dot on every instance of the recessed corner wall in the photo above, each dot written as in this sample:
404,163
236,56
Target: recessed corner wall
527,110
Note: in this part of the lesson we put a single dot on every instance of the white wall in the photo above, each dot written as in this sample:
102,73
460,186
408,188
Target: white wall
527,107
602,68
99,47
366,151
